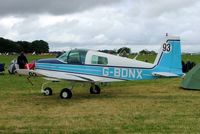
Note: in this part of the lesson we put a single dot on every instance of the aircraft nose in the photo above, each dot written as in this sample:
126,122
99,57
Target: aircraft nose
51,60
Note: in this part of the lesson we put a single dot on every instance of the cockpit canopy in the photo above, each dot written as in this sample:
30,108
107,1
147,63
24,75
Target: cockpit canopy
74,57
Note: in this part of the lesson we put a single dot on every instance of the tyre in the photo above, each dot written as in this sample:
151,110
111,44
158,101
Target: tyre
95,90
48,91
66,93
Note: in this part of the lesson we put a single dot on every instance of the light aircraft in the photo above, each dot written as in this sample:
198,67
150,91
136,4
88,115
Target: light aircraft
95,67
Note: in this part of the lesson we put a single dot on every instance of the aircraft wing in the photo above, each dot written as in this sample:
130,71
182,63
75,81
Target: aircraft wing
72,76
54,75
164,74
61,75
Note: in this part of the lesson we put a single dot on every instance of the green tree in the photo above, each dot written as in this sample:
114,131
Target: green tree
145,51
24,46
8,46
39,46
126,49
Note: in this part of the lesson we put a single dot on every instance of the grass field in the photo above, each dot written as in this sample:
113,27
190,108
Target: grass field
156,106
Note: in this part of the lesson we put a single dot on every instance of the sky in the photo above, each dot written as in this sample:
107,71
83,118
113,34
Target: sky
102,24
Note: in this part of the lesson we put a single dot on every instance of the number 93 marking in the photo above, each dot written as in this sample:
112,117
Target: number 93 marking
166,48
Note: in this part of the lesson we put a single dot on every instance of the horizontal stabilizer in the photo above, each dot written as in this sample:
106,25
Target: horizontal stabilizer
164,74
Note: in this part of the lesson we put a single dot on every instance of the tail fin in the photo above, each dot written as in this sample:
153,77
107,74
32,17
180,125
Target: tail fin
169,57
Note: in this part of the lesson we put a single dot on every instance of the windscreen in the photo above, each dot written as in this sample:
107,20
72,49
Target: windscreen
74,57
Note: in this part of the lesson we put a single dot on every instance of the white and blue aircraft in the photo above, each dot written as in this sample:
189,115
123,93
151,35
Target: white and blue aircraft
95,67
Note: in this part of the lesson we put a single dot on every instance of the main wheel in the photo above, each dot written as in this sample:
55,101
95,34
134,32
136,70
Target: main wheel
48,91
95,89
66,93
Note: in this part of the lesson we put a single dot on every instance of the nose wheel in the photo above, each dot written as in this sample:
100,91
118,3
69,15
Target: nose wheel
47,91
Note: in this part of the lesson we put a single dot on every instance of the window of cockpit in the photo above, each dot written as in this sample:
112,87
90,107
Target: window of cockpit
64,57
74,57
99,60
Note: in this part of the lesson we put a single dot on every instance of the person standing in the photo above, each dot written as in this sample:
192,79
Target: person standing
22,61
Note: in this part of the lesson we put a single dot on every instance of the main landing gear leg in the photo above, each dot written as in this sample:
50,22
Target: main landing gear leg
95,89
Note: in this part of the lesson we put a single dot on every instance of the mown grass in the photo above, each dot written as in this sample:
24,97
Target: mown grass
156,106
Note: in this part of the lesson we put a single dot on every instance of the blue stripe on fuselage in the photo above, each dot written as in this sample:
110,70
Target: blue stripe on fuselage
101,71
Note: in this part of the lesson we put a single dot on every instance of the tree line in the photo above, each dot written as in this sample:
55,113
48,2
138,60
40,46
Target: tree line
9,46
125,51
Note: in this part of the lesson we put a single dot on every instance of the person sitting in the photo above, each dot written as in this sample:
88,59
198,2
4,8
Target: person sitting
22,61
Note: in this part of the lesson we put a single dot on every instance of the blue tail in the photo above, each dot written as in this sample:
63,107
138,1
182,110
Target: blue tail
169,58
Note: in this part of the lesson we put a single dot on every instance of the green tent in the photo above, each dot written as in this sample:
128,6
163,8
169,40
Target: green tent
192,79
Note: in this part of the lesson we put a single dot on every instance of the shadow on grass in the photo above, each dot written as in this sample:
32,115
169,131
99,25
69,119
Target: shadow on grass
2,73
78,97
187,89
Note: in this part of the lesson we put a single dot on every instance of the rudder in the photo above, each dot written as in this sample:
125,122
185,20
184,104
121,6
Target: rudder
169,58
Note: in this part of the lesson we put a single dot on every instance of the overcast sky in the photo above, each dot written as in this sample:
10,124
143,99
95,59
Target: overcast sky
102,24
